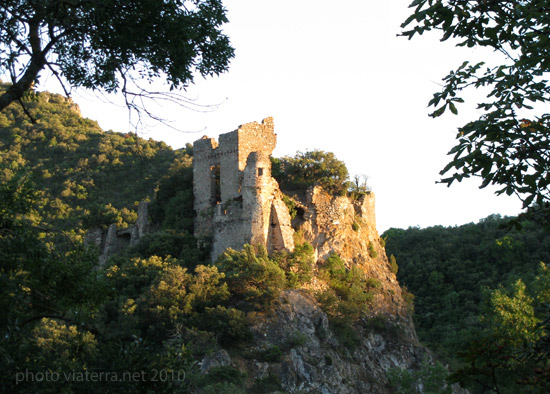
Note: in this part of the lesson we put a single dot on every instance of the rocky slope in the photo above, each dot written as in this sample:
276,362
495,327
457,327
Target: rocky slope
295,347
312,359
347,227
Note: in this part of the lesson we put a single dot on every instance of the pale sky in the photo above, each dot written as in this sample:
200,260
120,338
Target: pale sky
336,78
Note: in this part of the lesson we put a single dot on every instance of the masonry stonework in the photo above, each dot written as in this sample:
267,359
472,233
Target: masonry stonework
237,202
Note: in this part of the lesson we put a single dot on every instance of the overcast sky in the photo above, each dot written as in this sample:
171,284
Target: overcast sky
336,78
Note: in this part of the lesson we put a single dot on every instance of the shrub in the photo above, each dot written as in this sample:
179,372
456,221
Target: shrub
181,245
298,265
346,334
228,324
291,205
271,354
373,283
372,251
349,290
253,278
393,264
297,339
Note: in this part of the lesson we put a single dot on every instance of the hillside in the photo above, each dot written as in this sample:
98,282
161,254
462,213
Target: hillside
161,314
467,281
87,177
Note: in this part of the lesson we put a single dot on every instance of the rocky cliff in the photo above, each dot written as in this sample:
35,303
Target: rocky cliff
295,346
347,226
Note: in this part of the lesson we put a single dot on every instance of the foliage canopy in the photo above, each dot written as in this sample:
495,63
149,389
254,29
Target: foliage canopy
491,338
111,44
87,177
509,145
311,168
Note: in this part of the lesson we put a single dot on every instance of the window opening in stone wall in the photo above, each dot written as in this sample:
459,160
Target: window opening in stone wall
260,171
216,185
298,219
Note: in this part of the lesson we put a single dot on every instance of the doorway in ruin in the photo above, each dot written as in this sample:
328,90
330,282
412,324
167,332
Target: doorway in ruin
275,241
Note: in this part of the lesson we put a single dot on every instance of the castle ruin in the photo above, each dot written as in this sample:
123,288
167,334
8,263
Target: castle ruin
237,202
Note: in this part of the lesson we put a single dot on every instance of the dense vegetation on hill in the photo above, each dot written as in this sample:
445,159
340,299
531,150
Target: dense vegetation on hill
86,177
477,286
158,307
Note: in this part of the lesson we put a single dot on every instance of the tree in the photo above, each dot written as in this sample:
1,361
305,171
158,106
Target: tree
110,45
509,145
509,354
253,279
312,168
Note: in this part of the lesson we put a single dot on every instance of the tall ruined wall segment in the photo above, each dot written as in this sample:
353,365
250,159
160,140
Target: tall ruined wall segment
237,201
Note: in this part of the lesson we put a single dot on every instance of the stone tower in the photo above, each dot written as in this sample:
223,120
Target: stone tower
237,201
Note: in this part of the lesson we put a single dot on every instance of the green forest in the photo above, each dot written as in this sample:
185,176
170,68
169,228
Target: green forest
481,291
481,298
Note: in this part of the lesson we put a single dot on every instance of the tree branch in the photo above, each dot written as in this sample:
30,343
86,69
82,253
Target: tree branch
38,61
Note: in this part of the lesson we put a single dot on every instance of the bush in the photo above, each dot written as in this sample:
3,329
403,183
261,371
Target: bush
298,265
297,339
271,354
254,279
346,334
372,251
349,292
393,264
228,324
311,168
291,205
181,245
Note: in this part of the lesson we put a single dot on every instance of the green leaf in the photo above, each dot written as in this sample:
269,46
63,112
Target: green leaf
453,108
438,112
528,201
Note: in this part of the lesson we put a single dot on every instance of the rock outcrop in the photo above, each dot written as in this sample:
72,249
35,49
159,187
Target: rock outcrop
314,355
347,226
238,202
295,347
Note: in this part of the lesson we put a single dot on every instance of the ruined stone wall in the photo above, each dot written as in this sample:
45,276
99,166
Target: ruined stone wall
114,240
237,201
